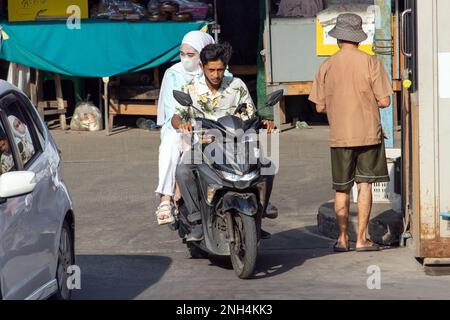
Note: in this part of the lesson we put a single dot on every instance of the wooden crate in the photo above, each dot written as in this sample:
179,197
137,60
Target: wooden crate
142,101
133,99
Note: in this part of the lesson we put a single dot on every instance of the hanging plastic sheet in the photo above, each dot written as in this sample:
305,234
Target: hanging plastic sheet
98,49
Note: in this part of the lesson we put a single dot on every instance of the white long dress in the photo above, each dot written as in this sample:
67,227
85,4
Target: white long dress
170,148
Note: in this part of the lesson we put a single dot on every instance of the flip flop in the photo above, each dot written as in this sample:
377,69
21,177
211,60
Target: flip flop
373,247
339,249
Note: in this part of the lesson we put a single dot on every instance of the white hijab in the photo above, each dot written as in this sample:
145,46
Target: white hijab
197,40
22,133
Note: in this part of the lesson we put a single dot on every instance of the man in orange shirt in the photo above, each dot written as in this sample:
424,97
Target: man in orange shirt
351,87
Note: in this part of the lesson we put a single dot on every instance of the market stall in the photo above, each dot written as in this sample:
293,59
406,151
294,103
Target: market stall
119,40
98,49
297,42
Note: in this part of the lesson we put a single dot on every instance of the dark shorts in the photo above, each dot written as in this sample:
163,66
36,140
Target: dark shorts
358,164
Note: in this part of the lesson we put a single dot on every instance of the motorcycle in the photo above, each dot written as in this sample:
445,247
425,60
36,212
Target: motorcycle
232,193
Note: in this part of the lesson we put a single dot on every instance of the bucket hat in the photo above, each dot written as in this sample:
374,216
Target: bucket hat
349,28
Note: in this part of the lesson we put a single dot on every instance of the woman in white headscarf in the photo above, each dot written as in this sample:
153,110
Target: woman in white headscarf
169,150
22,138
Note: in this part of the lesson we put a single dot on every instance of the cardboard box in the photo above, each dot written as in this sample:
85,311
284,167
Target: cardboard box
31,10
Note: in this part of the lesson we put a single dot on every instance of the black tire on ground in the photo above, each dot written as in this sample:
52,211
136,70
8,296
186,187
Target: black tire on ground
244,250
194,252
66,258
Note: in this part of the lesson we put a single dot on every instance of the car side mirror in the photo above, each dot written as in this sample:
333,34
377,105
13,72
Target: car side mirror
273,98
17,183
182,98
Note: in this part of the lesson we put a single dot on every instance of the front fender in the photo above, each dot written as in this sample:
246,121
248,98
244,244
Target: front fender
245,203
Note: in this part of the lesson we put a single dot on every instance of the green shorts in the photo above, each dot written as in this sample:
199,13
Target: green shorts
358,164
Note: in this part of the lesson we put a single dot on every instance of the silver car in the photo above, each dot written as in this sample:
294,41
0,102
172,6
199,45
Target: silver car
36,215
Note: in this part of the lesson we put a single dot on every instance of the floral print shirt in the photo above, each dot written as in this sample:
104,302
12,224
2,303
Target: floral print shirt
26,151
7,162
230,95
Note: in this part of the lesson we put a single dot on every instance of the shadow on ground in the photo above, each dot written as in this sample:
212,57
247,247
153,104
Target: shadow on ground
285,251
114,277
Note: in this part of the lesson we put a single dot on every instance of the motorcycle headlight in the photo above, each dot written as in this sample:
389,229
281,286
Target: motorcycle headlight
235,178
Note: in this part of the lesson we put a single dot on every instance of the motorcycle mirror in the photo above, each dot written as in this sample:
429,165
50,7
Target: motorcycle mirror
182,98
275,97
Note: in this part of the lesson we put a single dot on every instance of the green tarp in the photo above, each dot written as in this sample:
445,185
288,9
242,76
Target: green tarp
98,49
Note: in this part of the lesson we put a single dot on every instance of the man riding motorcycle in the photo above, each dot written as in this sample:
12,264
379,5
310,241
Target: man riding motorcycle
214,95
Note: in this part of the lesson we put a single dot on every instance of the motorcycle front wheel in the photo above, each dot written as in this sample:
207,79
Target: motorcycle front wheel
244,249
194,252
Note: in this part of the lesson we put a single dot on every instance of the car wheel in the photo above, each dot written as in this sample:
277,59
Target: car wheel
65,260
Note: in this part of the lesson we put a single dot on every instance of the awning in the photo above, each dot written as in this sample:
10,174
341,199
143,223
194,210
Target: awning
98,49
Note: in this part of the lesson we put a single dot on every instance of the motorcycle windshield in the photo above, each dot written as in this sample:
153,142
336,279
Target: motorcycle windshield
238,158
236,151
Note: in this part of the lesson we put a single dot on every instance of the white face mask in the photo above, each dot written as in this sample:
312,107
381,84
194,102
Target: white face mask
22,129
191,64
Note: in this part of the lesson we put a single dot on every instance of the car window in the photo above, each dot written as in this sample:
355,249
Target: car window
34,117
22,131
6,155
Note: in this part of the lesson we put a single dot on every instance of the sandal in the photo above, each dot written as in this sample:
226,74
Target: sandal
339,249
370,248
164,213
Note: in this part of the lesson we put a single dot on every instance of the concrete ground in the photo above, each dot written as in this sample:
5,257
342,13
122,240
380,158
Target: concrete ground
123,254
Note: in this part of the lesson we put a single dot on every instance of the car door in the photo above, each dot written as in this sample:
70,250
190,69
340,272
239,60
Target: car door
30,229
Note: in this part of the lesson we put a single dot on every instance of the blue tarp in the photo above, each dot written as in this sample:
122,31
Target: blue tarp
98,49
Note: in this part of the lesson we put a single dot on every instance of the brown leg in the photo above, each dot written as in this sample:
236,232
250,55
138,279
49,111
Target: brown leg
177,195
364,209
165,198
342,208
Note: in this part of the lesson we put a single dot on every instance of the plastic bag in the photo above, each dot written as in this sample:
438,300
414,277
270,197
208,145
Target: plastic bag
114,8
198,9
105,9
86,117
152,5
148,124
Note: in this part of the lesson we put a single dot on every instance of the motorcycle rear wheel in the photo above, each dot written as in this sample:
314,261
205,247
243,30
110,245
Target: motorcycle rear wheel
244,249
